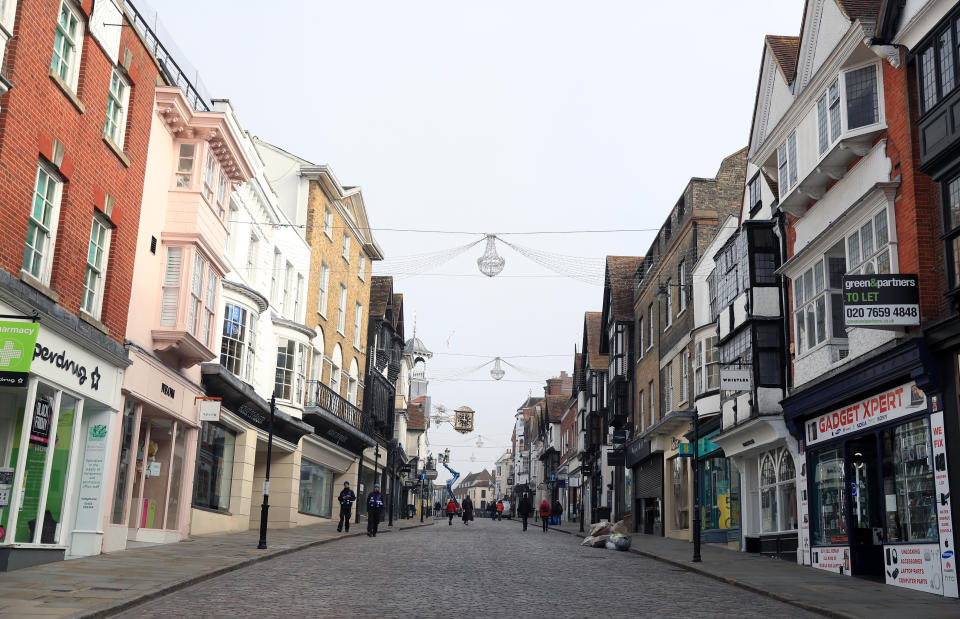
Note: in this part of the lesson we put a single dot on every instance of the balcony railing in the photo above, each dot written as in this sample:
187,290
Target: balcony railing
322,396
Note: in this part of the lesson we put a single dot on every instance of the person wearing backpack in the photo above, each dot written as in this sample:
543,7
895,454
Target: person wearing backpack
374,509
545,514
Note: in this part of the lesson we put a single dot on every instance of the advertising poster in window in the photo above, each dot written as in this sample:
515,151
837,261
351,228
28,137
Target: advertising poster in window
881,301
891,404
804,508
832,559
913,567
92,473
948,556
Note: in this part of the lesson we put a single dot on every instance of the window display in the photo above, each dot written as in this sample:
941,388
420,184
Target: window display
720,494
908,484
681,493
214,473
316,489
828,507
778,491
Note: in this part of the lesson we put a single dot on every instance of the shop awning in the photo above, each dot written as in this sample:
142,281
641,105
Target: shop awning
670,424
328,426
241,399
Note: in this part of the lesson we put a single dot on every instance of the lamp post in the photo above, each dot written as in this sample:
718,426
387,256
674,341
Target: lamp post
265,507
696,487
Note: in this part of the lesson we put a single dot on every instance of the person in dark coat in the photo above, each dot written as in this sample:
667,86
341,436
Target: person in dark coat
544,514
557,510
346,498
467,507
374,510
524,509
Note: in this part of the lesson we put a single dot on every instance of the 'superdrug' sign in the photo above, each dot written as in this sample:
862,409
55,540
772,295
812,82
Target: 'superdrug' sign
890,300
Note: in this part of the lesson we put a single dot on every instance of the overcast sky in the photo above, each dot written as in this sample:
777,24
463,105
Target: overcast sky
493,117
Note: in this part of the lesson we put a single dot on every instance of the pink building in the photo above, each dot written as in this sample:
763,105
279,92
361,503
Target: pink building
194,161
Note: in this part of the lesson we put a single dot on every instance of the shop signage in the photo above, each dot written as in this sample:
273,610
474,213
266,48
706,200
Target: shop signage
735,379
685,449
637,450
706,446
947,551
619,437
168,391
17,339
891,404
91,475
833,559
209,409
64,363
881,300
561,483
913,566
42,417
615,458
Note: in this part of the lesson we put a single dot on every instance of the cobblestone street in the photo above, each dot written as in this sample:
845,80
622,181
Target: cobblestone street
487,569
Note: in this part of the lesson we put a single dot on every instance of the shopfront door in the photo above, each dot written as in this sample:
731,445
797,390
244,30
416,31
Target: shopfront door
863,501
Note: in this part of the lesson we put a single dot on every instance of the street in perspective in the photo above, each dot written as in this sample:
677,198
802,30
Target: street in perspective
540,308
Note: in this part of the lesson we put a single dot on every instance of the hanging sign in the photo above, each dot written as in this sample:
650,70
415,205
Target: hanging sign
209,409
685,450
881,301
735,379
17,341
463,420
891,404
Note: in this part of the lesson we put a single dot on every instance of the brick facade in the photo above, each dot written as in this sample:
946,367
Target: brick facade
36,115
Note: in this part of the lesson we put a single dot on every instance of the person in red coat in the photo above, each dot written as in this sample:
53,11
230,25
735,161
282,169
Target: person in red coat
545,513
451,511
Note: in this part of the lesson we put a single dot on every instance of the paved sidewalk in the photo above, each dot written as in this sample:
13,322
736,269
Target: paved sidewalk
803,586
105,584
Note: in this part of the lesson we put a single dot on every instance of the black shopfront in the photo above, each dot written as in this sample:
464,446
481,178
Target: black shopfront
874,482
647,470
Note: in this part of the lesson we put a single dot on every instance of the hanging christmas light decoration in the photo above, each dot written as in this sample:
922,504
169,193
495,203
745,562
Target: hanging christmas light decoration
497,372
490,263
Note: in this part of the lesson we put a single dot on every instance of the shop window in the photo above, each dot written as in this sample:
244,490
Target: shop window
908,486
124,461
316,489
681,493
159,446
719,494
778,492
828,503
214,473
172,516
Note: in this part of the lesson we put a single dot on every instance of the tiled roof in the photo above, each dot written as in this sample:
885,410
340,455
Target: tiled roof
381,293
619,278
594,332
867,10
556,406
785,50
415,418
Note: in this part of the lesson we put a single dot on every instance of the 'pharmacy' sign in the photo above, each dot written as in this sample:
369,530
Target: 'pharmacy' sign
17,340
880,408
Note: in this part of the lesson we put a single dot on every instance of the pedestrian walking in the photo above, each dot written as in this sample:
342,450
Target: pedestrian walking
436,509
500,510
557,510
492,511
346,498
374,509
467,510
545,514
451,511
524,509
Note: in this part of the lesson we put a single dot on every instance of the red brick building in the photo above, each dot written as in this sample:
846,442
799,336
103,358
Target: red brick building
76,104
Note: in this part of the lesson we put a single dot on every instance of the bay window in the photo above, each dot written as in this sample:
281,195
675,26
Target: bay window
209,308
209,176
707,365
818,302
868,251
300,380
185,158
196,296
238,340
778,491
170,299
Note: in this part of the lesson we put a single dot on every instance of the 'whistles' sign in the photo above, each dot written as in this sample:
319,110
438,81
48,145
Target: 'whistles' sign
882,407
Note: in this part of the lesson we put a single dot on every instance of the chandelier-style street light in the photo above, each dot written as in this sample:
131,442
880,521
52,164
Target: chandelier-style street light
490,263
497,372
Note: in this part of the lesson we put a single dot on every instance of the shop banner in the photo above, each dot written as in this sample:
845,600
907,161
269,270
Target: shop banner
948,555
832,559
881,300
92,474
891,404
913,566
804,509
17,340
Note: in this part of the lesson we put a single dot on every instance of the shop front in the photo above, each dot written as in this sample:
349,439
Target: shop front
875,497
719,493
153,455
646,469
57,416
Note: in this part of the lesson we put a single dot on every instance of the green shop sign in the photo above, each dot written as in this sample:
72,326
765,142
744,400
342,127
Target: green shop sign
705,445
17,341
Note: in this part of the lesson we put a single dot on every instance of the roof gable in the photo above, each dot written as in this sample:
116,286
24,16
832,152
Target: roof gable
618,287
592,332
825,22
773,97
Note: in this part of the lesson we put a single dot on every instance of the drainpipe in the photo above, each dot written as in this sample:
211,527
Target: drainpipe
784,303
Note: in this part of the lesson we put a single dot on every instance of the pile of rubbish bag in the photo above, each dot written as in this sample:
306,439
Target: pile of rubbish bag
610,536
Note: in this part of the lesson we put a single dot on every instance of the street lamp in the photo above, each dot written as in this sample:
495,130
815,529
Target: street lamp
265,507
